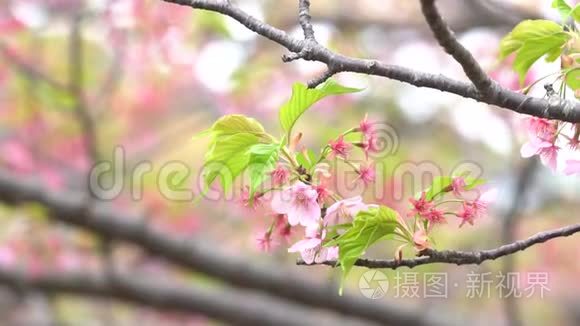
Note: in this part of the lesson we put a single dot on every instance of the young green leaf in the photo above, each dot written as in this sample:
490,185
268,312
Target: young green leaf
263,159
573,78
563,8
228,157
303,97
236,123
575,13
524,31
534,49
368,227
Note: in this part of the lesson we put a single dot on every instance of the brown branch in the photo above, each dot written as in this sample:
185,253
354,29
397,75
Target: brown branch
69,208
228,305
305,20
446,38
501,97
431,256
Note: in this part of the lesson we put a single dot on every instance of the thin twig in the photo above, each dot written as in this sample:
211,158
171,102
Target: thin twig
448,41
431,256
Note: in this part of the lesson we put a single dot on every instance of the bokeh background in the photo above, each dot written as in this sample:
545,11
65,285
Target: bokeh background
151,75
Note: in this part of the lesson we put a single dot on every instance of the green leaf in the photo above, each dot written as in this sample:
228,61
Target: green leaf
573,78
236,123
308,160
368,227
228,157
534,49
563,8
576,13
524,31
263,159
303,98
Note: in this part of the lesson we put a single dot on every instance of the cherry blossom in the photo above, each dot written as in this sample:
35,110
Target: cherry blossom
311,249
343,211
435,216
299,202
420,206
366,127
280,175
265,242
421,240
366,173
458,186
339,147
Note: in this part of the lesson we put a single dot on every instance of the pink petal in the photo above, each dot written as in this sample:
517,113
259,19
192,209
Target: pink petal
529,149
312,231
282,201
305,215
308,255
326,254
305,244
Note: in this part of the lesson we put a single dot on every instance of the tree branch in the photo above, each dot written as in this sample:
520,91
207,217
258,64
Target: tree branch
69,208
305,20
229,305
446,38
431,256
501,97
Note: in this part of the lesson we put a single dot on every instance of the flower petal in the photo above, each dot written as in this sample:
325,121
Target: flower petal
282,201
305,244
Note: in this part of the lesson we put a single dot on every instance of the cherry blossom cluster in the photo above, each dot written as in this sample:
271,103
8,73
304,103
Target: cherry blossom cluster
550,138
300,197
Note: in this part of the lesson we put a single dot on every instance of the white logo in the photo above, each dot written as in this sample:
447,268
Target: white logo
373,284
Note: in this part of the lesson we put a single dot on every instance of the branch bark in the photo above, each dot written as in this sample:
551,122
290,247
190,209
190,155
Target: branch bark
448,41
501,97
69,208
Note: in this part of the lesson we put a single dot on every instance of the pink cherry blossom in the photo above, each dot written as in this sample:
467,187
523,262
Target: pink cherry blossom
540,128
572,167
458,185
467,214
323,192
366,173
542,135
421,240
311,249
280,175
343,211
366,127
547,151
339,147
255,202
420,206
435,216
265,242
370,145
299,202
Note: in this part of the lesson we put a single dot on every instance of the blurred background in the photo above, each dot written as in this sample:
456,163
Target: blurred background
82,79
